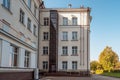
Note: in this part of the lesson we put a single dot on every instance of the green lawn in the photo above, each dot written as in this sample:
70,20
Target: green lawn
112,74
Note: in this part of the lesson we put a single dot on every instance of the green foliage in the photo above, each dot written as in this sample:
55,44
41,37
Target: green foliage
108,59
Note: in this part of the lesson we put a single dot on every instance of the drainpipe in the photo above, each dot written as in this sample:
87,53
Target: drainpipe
36,71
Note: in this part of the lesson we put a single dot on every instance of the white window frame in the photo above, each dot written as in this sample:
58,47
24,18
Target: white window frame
45,50
64,65
14,54
35,9
65,21
74,50
27,59
6,4
35,30
45,35
46,21
74,65
29,3
74,21
64,50
22,16
65,36
45,65
74,35
29,24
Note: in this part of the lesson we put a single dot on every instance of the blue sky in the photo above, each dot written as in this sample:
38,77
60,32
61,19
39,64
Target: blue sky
105,25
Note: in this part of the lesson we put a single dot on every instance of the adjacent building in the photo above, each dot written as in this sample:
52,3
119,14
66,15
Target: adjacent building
32,36
19,22
65,40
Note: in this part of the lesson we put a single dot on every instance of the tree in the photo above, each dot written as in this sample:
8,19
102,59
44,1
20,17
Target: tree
108,58
93,65
117,65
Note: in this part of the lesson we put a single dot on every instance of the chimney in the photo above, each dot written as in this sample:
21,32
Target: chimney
69,5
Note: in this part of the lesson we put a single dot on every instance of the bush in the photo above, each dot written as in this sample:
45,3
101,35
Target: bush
99,71
116,71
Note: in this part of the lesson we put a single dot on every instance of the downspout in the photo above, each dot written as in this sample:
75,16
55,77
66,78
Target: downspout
36,73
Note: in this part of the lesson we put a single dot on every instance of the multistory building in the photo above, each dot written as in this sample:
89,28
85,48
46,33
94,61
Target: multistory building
19,23
65,39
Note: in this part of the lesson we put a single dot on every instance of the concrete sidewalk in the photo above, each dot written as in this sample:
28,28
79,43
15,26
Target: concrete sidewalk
99,77
93,77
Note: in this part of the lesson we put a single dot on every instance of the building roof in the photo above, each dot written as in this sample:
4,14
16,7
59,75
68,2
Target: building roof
82,9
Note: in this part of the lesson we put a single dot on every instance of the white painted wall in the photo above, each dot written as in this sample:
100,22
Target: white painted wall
82,37
33,60
6,54
14,29
21,57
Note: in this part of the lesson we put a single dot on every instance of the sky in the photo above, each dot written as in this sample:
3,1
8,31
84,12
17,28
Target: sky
105,25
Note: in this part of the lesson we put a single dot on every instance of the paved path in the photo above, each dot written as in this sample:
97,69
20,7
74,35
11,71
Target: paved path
93,77
98,77
66,78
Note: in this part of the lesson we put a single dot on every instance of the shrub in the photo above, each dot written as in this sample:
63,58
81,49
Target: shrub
99,71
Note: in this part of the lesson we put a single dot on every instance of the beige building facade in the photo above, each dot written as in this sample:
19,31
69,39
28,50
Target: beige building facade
19,23
65,39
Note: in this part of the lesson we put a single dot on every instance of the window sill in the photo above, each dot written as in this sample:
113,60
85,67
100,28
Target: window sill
35,35
7,9
29,30
45,40
74,55
22,23
74,40
64,40
45,55
46,25
64,55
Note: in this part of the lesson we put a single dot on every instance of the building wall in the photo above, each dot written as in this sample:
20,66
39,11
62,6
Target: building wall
16,33
43,42
82,38
82,42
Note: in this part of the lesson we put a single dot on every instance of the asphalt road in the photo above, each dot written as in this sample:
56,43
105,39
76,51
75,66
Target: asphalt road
93,77
98,77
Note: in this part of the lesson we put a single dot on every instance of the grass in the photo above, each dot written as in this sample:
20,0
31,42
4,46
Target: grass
112,74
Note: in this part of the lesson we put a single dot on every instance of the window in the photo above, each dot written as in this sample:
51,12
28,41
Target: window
22,15
27,59
14,62
74,50
6,4
34,30
29,24
35,9
74,35
74,65
45,50
65,36
74,21
45,65
29,3
46,21
45,36
65,21
64,50
64,65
